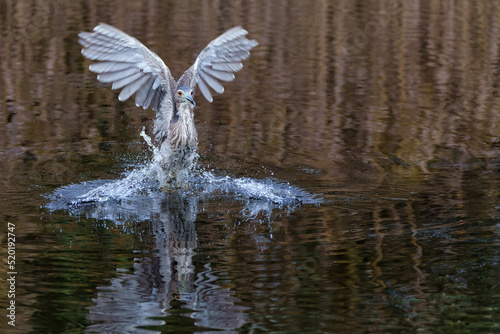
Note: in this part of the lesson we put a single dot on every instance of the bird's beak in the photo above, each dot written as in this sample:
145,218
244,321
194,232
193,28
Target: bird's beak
190,99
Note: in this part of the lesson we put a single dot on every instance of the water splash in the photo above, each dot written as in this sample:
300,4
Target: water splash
139,194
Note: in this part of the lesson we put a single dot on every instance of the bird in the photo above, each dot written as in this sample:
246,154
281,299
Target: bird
127,64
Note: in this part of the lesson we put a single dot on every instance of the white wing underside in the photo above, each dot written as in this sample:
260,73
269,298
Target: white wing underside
130,66
218,62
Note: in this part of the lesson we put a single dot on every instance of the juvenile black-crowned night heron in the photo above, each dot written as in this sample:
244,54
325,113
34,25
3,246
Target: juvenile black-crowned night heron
129,65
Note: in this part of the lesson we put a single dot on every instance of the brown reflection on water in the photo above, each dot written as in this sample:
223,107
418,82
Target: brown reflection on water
341,97
336,86
368,265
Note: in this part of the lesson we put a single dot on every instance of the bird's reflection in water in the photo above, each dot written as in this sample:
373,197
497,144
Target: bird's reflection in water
168,279
140,302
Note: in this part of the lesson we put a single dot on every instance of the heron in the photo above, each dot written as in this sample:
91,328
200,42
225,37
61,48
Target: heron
129,65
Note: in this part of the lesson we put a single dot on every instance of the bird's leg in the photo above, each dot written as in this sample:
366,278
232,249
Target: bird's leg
147,138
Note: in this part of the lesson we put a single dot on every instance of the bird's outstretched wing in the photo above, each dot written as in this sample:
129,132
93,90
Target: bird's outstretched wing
129,65
218,61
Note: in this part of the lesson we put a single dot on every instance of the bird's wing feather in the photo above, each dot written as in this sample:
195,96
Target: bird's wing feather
218,61
129,65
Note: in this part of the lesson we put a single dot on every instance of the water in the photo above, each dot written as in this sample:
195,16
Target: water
347,181
139,194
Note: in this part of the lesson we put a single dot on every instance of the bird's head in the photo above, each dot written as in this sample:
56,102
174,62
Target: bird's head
184,95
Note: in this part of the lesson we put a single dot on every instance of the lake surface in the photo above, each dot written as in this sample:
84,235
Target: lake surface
348,179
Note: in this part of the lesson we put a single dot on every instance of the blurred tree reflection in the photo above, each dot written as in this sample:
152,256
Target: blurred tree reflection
390,85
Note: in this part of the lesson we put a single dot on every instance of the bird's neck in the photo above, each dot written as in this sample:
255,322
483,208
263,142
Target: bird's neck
183,132
185,112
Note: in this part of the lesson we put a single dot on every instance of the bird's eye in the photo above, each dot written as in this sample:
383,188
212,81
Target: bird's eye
191,92
179,93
